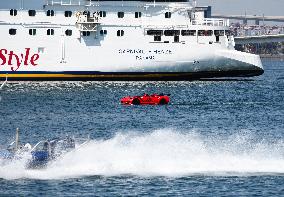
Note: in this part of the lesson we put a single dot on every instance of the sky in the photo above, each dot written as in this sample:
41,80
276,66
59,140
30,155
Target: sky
250,7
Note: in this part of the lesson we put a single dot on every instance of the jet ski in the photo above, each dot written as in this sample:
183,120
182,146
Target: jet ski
43,152
48,150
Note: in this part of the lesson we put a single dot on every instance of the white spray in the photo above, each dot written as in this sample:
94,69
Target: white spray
163,153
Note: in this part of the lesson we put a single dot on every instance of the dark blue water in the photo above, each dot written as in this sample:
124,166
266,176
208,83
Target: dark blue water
215,138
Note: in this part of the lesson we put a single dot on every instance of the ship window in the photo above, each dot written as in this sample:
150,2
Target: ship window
155,32
217,38
86,13
120,14
157,38
228,33
50,32
171,32
219,32
68,14
120,33
13,12
86,33
138,14
188,32
32,32
50,13
32,12
102,13
12,31
102,32
176,39
68,32
205,32
168,15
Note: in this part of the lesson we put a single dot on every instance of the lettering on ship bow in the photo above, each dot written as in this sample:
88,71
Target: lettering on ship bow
15,61
140,54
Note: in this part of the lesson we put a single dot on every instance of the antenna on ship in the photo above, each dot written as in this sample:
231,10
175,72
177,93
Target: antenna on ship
194,3
192,13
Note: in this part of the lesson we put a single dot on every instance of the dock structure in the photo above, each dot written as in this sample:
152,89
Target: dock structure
246,18
259,39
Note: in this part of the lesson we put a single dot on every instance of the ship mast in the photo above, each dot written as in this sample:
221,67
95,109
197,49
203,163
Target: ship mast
194,4
192,14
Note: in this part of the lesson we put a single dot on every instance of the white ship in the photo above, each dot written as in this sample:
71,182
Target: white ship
117,40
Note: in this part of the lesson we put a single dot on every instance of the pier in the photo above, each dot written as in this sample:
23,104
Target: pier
246,18
259,39
268,41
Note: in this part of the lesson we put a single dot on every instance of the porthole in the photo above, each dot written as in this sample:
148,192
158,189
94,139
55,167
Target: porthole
102,13
12,31
50,32
138,14
68,14
86,33
68,32
120,33
32,32
32,12
102,32
50,13
13,12
168,15
120,14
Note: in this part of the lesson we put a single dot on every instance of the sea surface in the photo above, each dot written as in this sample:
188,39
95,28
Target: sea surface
215,138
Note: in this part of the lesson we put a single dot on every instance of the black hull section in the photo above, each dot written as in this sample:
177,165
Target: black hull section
126,76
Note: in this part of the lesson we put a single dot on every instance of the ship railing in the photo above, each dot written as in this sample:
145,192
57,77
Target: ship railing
68,2
211,22
87,19
87,27
165,27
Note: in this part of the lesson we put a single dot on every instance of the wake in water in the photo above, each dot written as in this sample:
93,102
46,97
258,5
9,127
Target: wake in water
2,85
161,153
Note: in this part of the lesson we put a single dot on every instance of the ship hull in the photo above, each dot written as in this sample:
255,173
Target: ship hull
126,76
214,64
145,44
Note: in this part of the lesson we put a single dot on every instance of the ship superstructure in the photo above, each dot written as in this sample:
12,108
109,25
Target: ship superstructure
117,40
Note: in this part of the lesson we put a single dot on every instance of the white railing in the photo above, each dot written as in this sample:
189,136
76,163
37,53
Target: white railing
211,22
68,2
